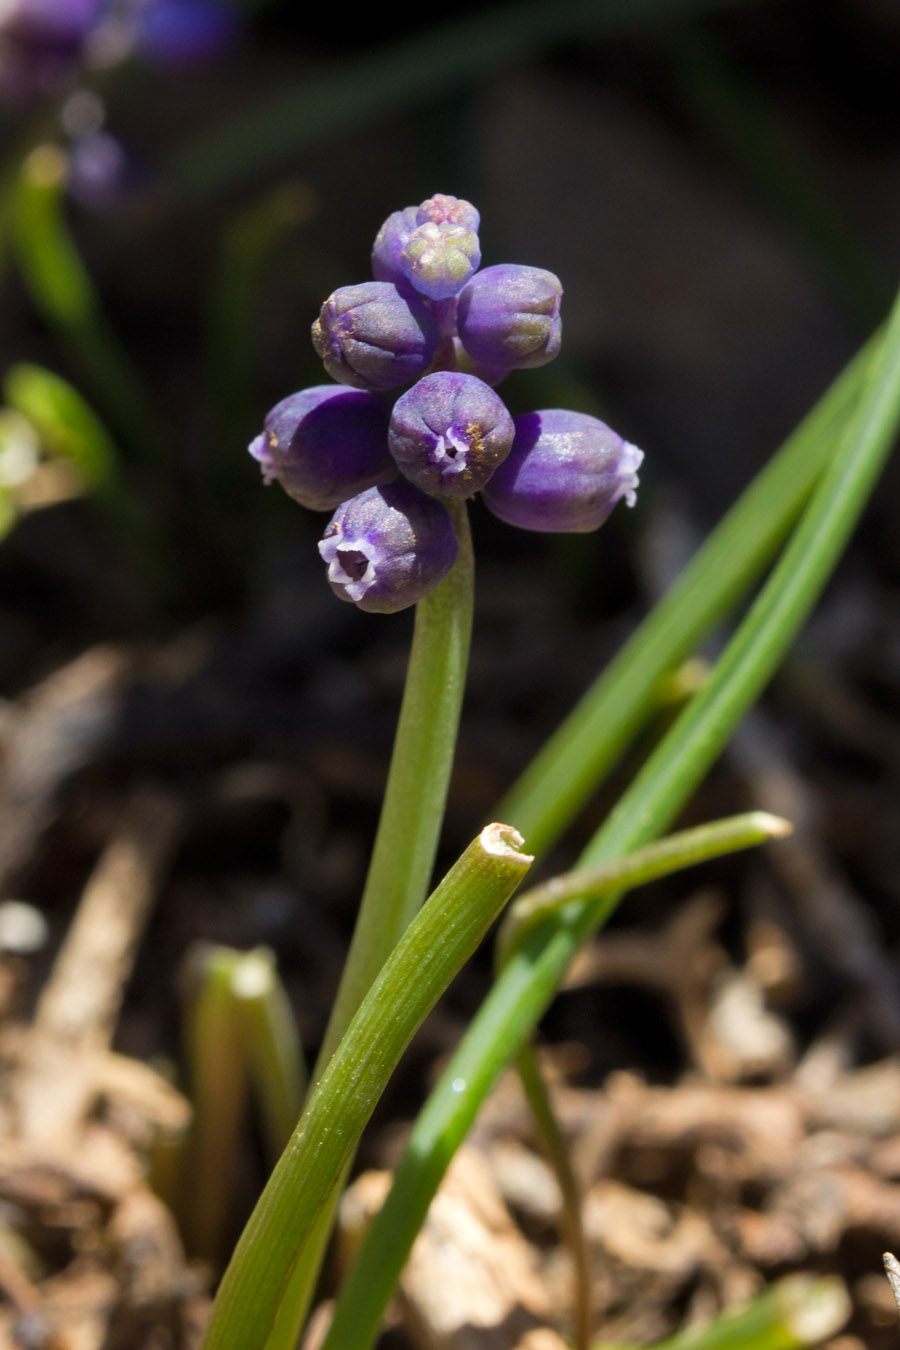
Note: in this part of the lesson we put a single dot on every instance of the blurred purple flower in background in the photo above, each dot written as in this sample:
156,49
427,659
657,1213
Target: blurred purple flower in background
41,44
103,173
181,32
44,44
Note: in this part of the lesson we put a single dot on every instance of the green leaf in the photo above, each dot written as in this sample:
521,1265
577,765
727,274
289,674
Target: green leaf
528,982
65,422
562,776
434,947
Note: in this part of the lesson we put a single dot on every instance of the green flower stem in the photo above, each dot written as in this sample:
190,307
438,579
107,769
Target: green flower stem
416,792
271,1045
678,851
794,1312
405,845
561,778
557,1150
529,980
436,944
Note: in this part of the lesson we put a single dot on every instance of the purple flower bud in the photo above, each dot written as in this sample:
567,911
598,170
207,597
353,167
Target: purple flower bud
443,210
509,316
388,547
565,473
389,244
372,337
325,444
449,433
439,259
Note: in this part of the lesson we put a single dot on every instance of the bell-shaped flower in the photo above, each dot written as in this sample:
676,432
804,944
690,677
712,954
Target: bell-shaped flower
373,337
509,316
449,433
326,444
388,547
564,473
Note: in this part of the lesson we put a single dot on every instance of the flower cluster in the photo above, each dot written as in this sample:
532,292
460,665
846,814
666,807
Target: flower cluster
431,319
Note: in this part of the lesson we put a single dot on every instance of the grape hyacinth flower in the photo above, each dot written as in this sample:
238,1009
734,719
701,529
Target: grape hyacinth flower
388,547
438,260
449,433
373,337
431,321
390,242
325,444
565,473
450,248
442,209
509,316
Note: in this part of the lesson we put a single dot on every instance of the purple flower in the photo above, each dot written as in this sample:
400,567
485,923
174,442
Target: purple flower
509,316
565,473
62,24
388,547
444,210
325,444
449,433
373,337
442,259
41,42
439,259
180,32
389,244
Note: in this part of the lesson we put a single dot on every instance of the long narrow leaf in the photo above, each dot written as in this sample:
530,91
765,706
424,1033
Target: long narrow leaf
528,982
437,943
561,778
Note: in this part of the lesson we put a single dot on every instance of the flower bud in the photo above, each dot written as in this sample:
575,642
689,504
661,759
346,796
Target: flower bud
388,547
449,433
325,444
565,473
509,316
389,244
444,210
439,259
373,337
